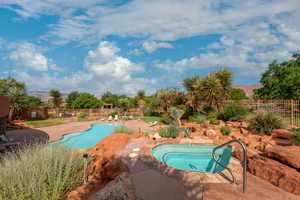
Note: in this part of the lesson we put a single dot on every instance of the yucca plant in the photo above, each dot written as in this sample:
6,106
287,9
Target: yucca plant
265,122
176,114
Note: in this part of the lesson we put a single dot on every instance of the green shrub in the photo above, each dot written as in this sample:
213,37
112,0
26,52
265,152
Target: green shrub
39,173
83,115
151,114
197,118
214,121
265,122
169,132
212,118
225,130
123,129
297,138
234,112
113,114
206,109
166,120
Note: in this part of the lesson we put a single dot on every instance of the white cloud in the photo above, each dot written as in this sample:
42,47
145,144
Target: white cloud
151,46
104,70
28,55
105,62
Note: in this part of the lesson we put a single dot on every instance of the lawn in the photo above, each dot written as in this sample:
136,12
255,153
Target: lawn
47,122
150,119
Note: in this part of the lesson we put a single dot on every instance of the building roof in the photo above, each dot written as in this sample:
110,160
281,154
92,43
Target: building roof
248,89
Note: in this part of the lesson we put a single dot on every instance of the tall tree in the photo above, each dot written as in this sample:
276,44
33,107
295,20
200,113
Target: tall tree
192,85
141,95
211,90
86,100
237,94
56,97
72,96
16,91
32,101
281,80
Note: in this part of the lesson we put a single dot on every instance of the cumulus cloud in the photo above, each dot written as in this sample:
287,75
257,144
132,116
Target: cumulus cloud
105,62
29,55
104,70
151,46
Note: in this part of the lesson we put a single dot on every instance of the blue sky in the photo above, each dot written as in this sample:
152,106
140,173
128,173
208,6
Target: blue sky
124,46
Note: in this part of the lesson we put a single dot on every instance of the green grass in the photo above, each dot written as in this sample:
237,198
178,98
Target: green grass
150,119
47,122
85,119
123,129
39,173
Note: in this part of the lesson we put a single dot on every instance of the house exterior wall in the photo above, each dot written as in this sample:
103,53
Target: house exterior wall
4,106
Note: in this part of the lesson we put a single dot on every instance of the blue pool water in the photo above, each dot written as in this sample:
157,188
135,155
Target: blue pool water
88,138
192,157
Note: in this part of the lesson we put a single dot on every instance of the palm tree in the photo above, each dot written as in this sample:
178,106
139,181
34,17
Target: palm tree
56,98
192,85
211,90
225,77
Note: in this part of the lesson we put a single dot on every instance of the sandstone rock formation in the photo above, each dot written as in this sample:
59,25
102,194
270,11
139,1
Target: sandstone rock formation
287,155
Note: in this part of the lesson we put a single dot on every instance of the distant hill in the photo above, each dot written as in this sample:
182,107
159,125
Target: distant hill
43,95
248,89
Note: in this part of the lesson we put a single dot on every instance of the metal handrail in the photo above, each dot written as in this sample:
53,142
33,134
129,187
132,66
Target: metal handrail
244,163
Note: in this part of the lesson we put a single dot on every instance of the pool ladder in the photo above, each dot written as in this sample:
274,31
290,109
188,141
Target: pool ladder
244,162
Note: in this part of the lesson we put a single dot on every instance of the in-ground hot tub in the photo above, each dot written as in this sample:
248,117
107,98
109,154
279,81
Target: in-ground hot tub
192,157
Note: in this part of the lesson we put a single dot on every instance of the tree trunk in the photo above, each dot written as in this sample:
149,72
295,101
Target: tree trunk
11,114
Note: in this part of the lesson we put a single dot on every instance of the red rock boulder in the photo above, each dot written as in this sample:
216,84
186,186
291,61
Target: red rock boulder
276,173
289,155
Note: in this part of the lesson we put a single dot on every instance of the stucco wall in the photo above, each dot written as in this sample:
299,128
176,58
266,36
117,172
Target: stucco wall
3,106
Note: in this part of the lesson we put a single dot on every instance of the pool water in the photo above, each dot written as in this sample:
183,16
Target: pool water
192,157
88,138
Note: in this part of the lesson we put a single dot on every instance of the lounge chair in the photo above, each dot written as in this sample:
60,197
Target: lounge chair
116,117
110,118
153,123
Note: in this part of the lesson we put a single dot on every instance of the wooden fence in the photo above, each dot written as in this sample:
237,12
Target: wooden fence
95,111
287,109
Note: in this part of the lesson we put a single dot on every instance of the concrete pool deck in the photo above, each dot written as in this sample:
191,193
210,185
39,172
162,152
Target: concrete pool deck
53,133
153,181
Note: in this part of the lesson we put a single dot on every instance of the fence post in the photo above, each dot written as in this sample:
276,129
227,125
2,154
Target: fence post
292,112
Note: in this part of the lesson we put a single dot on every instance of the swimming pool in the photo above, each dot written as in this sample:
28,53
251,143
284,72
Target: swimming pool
88,138
192,157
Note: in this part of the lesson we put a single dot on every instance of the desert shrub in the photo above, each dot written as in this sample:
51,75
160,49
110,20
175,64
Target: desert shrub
225,130
212,118
83,115
206,109
39,173
197,118
166,120
234,112
151,114
169,132
265,122
296,137
214,121
113,113
123,129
